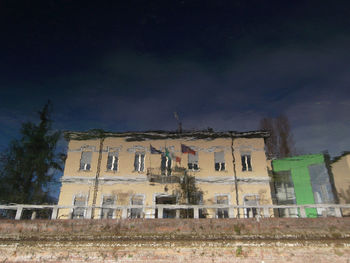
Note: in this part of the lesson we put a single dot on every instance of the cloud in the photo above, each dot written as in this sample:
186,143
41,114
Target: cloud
138,92
321,126
131,91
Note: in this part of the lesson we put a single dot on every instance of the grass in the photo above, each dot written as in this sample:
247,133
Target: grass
239,251
237,229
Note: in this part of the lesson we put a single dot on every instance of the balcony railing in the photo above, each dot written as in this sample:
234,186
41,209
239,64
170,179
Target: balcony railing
165,176
220,211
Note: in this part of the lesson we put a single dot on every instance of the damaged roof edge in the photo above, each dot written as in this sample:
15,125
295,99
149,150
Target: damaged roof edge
337,158
159,135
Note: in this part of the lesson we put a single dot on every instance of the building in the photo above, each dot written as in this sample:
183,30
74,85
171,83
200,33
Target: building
341,174
302,180
148,168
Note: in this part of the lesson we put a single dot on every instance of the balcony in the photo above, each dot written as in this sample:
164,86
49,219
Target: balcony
170,176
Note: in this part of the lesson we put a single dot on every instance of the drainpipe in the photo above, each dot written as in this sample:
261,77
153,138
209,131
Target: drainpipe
97,175
235,174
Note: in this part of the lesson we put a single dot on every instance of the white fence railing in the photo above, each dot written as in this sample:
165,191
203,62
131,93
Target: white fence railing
159,211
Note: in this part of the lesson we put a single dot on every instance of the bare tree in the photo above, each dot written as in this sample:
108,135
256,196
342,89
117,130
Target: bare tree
285,138
271,143
280,144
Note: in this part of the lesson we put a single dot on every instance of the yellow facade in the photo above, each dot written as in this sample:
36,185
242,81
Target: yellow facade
341,175
98,180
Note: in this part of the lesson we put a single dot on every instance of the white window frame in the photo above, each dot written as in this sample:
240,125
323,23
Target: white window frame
193,163
222,165
248,168
73,204
143,203
167,167
228,200
114,203
85,167
115,162
257,197
140,161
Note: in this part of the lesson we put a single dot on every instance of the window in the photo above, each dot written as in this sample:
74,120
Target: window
285,194
107,212
136,212
325,195
165,165
219,158
112,161
79,212
85,161
222,212
251,200
139,163
193,162
199,201
246,162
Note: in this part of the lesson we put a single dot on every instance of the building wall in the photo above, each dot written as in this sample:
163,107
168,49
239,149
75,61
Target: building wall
341,175
310,179
126,182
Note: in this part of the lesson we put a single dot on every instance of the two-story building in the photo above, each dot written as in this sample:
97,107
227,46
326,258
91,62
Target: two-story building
148,168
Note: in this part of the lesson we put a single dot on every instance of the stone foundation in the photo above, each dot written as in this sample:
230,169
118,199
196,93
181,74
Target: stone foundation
170,240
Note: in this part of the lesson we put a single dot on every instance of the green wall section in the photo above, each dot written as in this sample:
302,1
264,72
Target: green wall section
301,178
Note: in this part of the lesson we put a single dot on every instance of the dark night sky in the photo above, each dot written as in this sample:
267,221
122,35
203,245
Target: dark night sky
128,65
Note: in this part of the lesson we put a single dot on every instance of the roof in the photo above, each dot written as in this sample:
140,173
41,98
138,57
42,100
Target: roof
161,135
337,158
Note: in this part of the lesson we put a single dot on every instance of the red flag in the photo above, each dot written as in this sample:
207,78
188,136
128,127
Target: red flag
186,149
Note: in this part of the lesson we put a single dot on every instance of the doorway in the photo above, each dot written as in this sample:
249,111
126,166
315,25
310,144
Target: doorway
166,200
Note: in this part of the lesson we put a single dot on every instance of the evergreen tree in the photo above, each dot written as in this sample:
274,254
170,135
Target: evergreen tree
189,194
27,166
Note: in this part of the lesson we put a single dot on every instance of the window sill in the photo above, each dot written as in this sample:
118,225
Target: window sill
139,172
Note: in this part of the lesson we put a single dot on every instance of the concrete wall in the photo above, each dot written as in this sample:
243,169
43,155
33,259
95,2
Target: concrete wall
171,240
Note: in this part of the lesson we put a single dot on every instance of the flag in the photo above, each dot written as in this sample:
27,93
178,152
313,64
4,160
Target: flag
154,150
176,158
186,149
167,154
